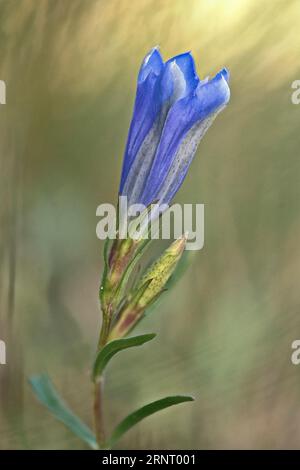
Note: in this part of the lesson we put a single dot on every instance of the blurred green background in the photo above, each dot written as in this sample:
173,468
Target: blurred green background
225,332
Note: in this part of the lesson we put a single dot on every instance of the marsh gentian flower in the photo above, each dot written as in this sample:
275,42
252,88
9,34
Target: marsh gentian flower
173,110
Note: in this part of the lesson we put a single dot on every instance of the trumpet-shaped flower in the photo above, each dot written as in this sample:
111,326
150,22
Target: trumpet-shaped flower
173,110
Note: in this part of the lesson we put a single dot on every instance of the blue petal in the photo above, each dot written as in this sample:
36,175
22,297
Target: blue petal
173,81
141,166
153,62
186,64
225,74
177,147
147,106
159,86
179,78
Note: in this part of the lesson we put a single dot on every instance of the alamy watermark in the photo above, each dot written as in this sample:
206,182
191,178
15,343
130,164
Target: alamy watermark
2,92
295,357
2,353
157,221
295,97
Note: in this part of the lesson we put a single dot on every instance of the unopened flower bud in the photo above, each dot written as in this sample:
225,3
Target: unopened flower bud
149,288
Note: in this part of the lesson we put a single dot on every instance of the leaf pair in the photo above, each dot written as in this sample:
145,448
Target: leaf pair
49,397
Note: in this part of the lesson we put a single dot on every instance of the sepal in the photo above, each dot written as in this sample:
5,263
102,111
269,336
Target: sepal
148,289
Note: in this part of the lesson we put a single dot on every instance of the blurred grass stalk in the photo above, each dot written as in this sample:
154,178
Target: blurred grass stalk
12,375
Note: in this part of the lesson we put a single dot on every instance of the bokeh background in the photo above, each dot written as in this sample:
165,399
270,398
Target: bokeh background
225,332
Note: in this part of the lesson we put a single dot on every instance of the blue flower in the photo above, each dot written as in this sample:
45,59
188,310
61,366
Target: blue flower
173,110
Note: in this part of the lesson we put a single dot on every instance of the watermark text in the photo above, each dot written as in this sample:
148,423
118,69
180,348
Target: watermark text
295,97
2,353
157,221
295,357
2,92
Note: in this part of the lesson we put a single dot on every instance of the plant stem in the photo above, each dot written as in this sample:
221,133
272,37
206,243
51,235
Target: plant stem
99,387
99,412
104,330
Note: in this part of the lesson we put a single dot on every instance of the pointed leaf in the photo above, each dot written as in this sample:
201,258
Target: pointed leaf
48,396
143,412
113,347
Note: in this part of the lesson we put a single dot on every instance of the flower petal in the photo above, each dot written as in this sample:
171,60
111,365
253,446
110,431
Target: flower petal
147,105
153,62
180,138
179,77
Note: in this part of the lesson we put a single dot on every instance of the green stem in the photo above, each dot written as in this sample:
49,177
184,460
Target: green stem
99,412
99,386
107,312
104,330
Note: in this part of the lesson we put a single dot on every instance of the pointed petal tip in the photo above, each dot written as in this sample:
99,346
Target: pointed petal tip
153,62
226,74
154,52
226,89
185,62
187,77
155,48
220,86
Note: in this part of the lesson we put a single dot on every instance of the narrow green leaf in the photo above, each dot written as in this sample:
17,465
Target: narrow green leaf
143,412
49,397
113,347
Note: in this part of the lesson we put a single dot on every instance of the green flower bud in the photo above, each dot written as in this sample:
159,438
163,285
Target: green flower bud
149,288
